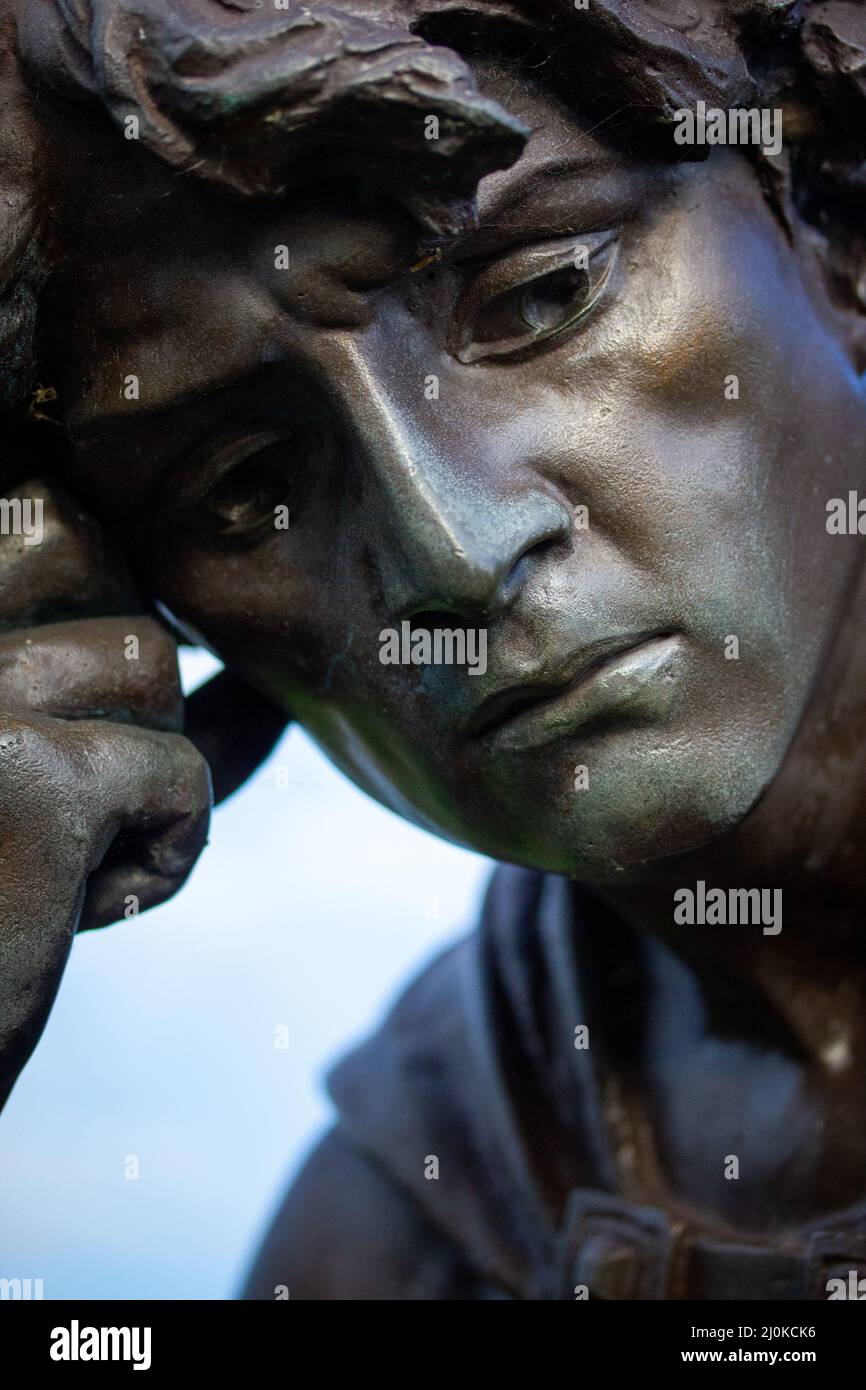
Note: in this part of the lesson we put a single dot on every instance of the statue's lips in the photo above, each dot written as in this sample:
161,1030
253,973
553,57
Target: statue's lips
631,675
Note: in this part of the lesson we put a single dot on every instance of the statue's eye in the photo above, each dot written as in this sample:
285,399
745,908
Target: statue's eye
550,302
531,296
254,476
252,490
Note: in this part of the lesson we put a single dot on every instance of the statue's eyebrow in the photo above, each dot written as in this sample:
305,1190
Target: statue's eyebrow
236,375
522,181
587,189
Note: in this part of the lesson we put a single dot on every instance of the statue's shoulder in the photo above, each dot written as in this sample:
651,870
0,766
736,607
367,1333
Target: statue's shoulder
423,1176
419,1073
347,1231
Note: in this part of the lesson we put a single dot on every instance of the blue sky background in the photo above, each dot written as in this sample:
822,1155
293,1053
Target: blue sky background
161,1044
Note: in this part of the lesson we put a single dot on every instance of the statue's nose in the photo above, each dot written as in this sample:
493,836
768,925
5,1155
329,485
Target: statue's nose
455,522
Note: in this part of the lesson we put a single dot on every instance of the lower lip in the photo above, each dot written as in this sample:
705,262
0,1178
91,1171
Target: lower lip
641,683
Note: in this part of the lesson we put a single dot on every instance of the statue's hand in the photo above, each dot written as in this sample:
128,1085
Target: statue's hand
104,807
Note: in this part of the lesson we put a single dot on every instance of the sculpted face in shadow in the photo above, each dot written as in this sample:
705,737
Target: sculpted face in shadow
602,424
416,317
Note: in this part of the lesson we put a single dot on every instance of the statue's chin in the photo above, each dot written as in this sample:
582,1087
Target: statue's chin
640,824
645,800
636,842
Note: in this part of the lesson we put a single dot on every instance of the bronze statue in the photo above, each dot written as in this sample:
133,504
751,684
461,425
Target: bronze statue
362,323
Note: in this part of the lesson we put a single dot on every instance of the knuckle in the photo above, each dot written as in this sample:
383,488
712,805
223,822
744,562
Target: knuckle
157,646
192,769
40,791
25,749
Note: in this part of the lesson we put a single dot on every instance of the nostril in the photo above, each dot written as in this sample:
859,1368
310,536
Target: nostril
469,580
535,551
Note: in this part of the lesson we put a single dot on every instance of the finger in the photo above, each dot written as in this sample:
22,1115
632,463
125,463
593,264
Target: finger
128,806
159,791
120,669
55,562
234,728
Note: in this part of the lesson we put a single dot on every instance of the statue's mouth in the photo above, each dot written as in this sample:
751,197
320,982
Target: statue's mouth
612,677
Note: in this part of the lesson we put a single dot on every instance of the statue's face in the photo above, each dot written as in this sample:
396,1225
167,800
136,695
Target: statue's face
607,389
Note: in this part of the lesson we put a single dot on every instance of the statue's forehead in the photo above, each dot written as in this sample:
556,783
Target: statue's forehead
186,312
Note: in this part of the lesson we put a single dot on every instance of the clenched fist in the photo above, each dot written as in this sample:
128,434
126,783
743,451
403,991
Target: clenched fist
104,806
